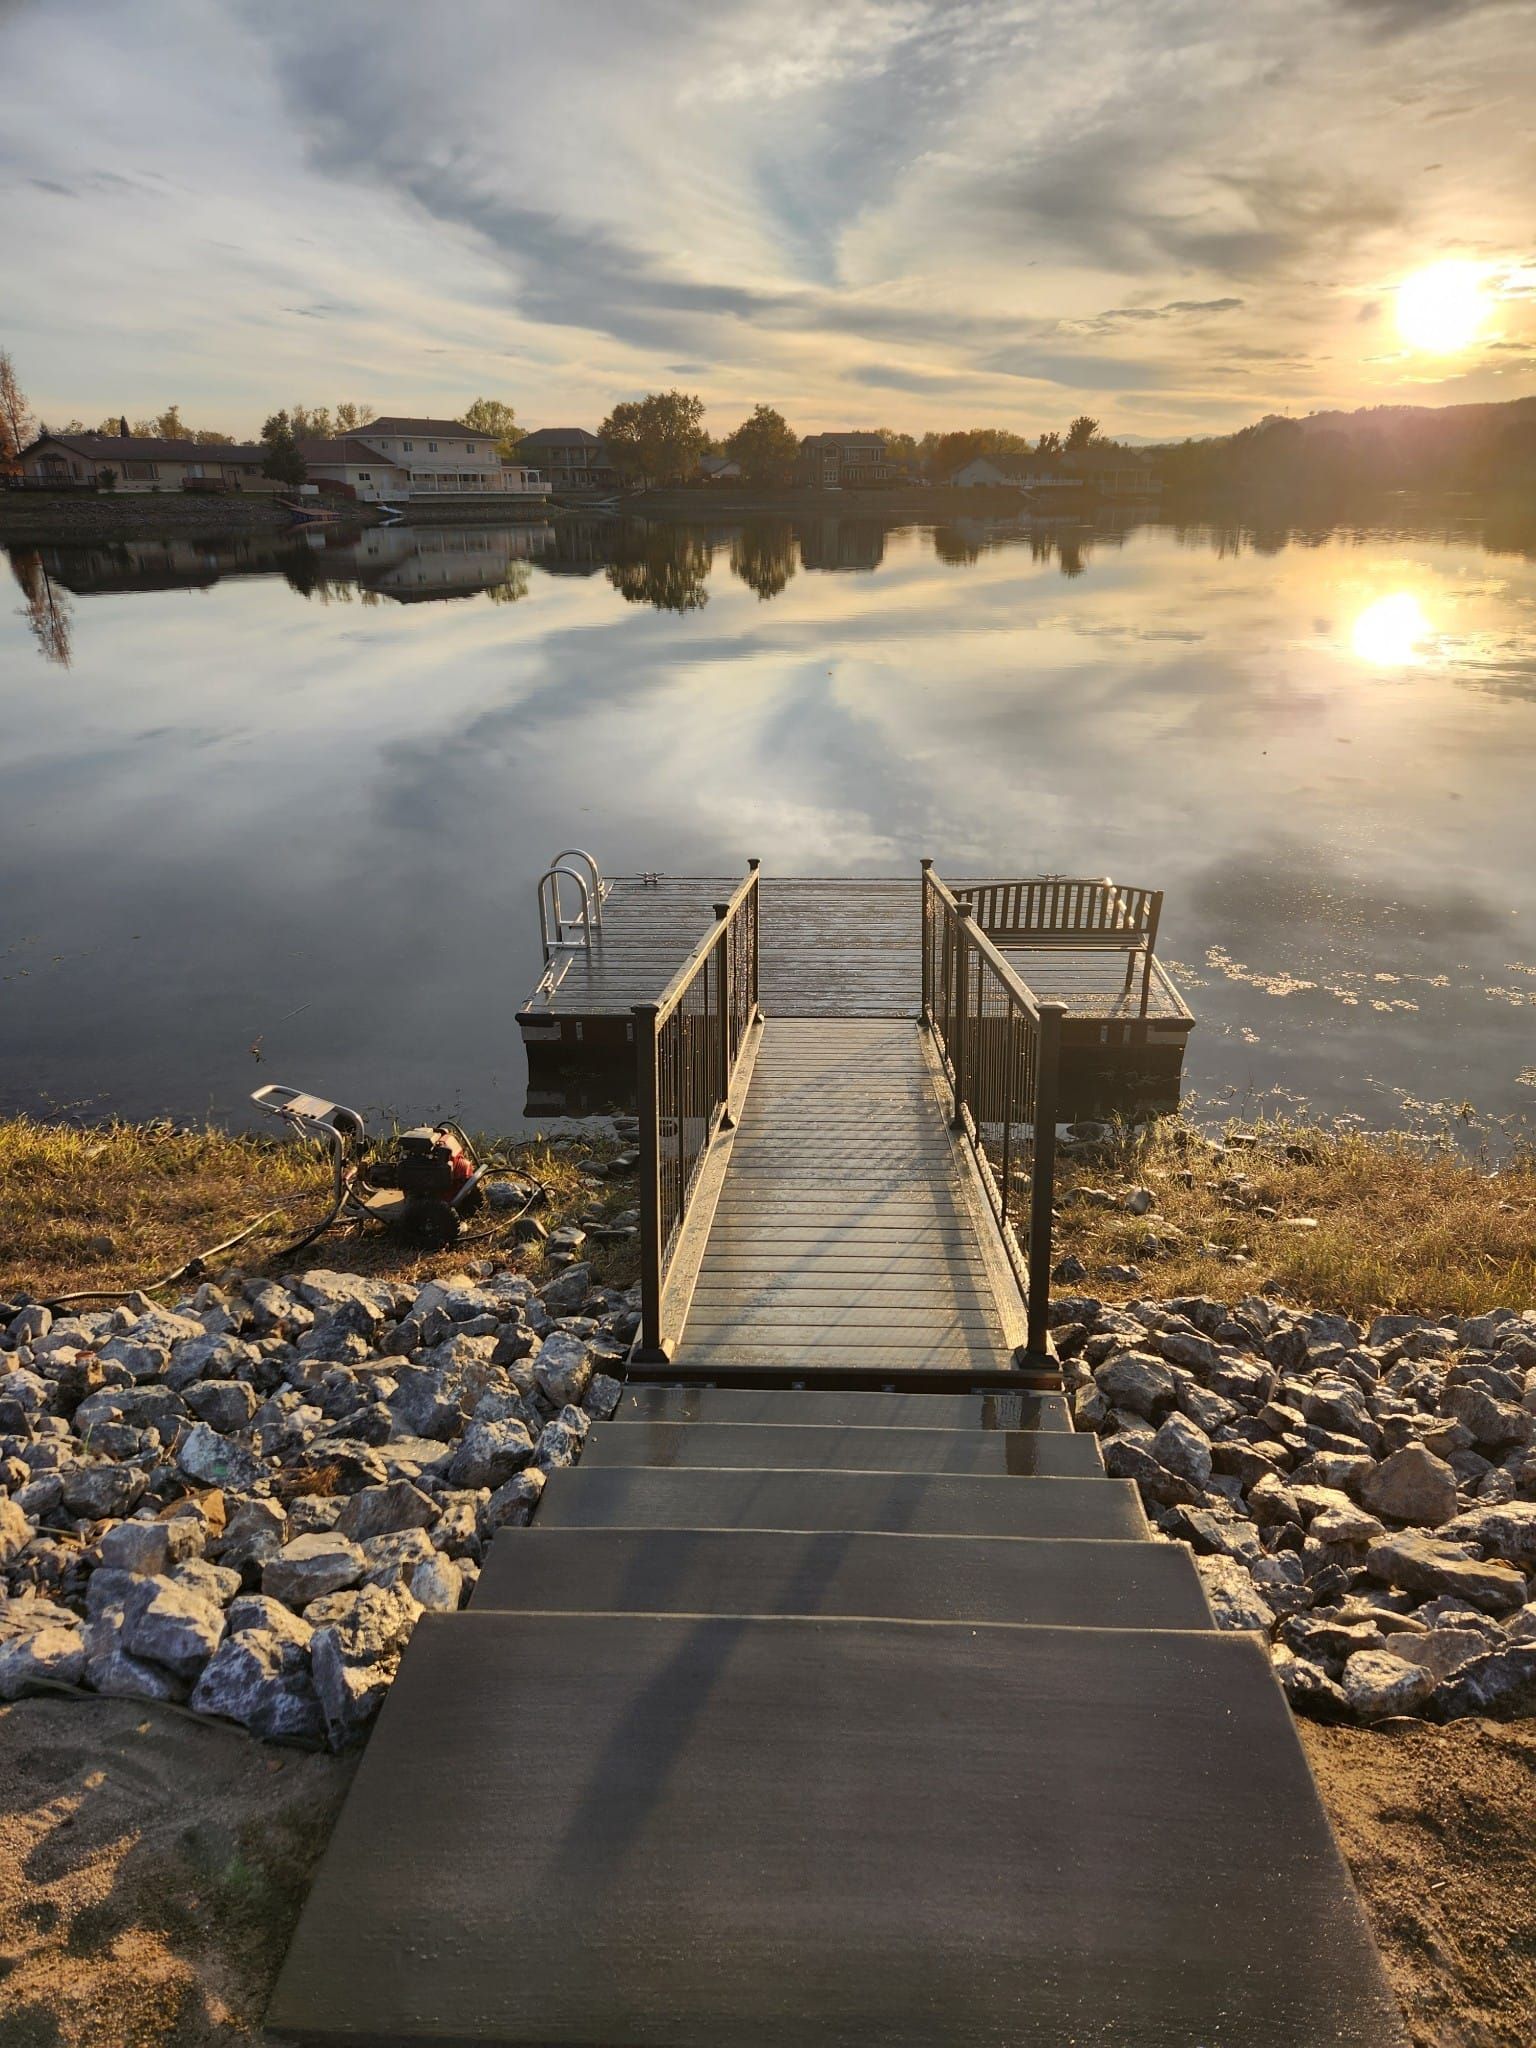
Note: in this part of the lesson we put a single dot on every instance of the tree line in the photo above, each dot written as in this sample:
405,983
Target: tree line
658,439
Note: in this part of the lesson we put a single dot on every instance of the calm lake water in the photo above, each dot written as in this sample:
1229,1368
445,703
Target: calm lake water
293,795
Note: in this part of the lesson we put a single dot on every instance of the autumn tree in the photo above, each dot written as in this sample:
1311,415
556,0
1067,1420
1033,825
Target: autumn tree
18,422
350,416
282,462
766,448
169,426
309,422
494,418
656,439
1082,434
943,454
900,449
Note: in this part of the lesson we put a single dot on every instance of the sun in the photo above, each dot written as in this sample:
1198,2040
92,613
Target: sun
1441,309
1390,632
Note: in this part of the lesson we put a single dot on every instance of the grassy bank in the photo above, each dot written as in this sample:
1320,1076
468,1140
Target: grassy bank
117,1205
1346,1220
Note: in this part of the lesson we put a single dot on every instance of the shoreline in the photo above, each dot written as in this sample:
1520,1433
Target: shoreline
36,519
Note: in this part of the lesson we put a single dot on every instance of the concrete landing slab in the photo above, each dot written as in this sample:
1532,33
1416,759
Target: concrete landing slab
927,1504
865,1409
899,1578
670,1833
1027,1454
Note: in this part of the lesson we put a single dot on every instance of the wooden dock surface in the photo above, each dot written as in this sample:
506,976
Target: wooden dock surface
829,946
846,1231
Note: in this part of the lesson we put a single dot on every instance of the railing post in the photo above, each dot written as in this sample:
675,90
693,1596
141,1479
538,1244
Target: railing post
722,980
1043,1183
925,1015
960,1047
650,1350
754,865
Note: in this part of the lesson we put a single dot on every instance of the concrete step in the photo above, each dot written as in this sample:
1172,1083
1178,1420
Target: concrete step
1025,1453
681,1833
595,1496
899,1578
869,1410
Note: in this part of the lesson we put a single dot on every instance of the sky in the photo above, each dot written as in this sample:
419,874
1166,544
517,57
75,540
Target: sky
1177,215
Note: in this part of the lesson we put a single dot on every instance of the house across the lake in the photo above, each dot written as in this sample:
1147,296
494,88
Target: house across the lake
136,462
1011,472
1107,472
570,458
393,459
1113,472
845,462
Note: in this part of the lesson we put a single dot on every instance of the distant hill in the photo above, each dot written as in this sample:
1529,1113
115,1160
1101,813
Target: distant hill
1395,447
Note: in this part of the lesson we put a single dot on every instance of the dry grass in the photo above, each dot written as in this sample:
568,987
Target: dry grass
1341,1219
115,1206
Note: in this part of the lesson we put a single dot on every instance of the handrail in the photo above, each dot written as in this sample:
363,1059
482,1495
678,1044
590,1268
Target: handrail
687,1045
1001,1051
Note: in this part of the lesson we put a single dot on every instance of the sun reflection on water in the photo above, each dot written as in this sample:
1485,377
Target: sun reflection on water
1392,631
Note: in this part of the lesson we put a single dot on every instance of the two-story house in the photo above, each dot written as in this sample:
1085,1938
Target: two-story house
845,462
397,458
570,457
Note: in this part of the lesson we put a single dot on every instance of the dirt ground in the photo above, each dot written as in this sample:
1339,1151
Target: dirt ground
151,1869
1439,1826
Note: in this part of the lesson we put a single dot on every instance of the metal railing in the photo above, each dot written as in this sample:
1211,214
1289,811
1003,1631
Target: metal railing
1001,1052
687,1045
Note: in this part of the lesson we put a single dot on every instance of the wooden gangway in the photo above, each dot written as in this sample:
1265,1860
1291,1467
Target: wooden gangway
847,1230
837,1698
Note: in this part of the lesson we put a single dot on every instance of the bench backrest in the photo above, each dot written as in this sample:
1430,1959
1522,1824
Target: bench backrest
1058,910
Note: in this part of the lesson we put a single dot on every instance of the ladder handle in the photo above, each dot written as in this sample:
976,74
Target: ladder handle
551,903
595,910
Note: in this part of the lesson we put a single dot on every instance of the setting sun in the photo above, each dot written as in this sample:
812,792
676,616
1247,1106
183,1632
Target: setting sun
1391,631
1441,309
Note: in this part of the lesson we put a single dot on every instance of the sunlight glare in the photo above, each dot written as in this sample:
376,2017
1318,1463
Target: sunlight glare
1391,631
1441,309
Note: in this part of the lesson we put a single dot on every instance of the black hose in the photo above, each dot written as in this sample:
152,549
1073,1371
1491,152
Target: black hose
195,1266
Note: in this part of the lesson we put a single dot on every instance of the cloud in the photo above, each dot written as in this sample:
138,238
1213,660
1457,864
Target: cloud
1406,17
797,200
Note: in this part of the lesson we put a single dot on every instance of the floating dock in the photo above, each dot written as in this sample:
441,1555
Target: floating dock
851,946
